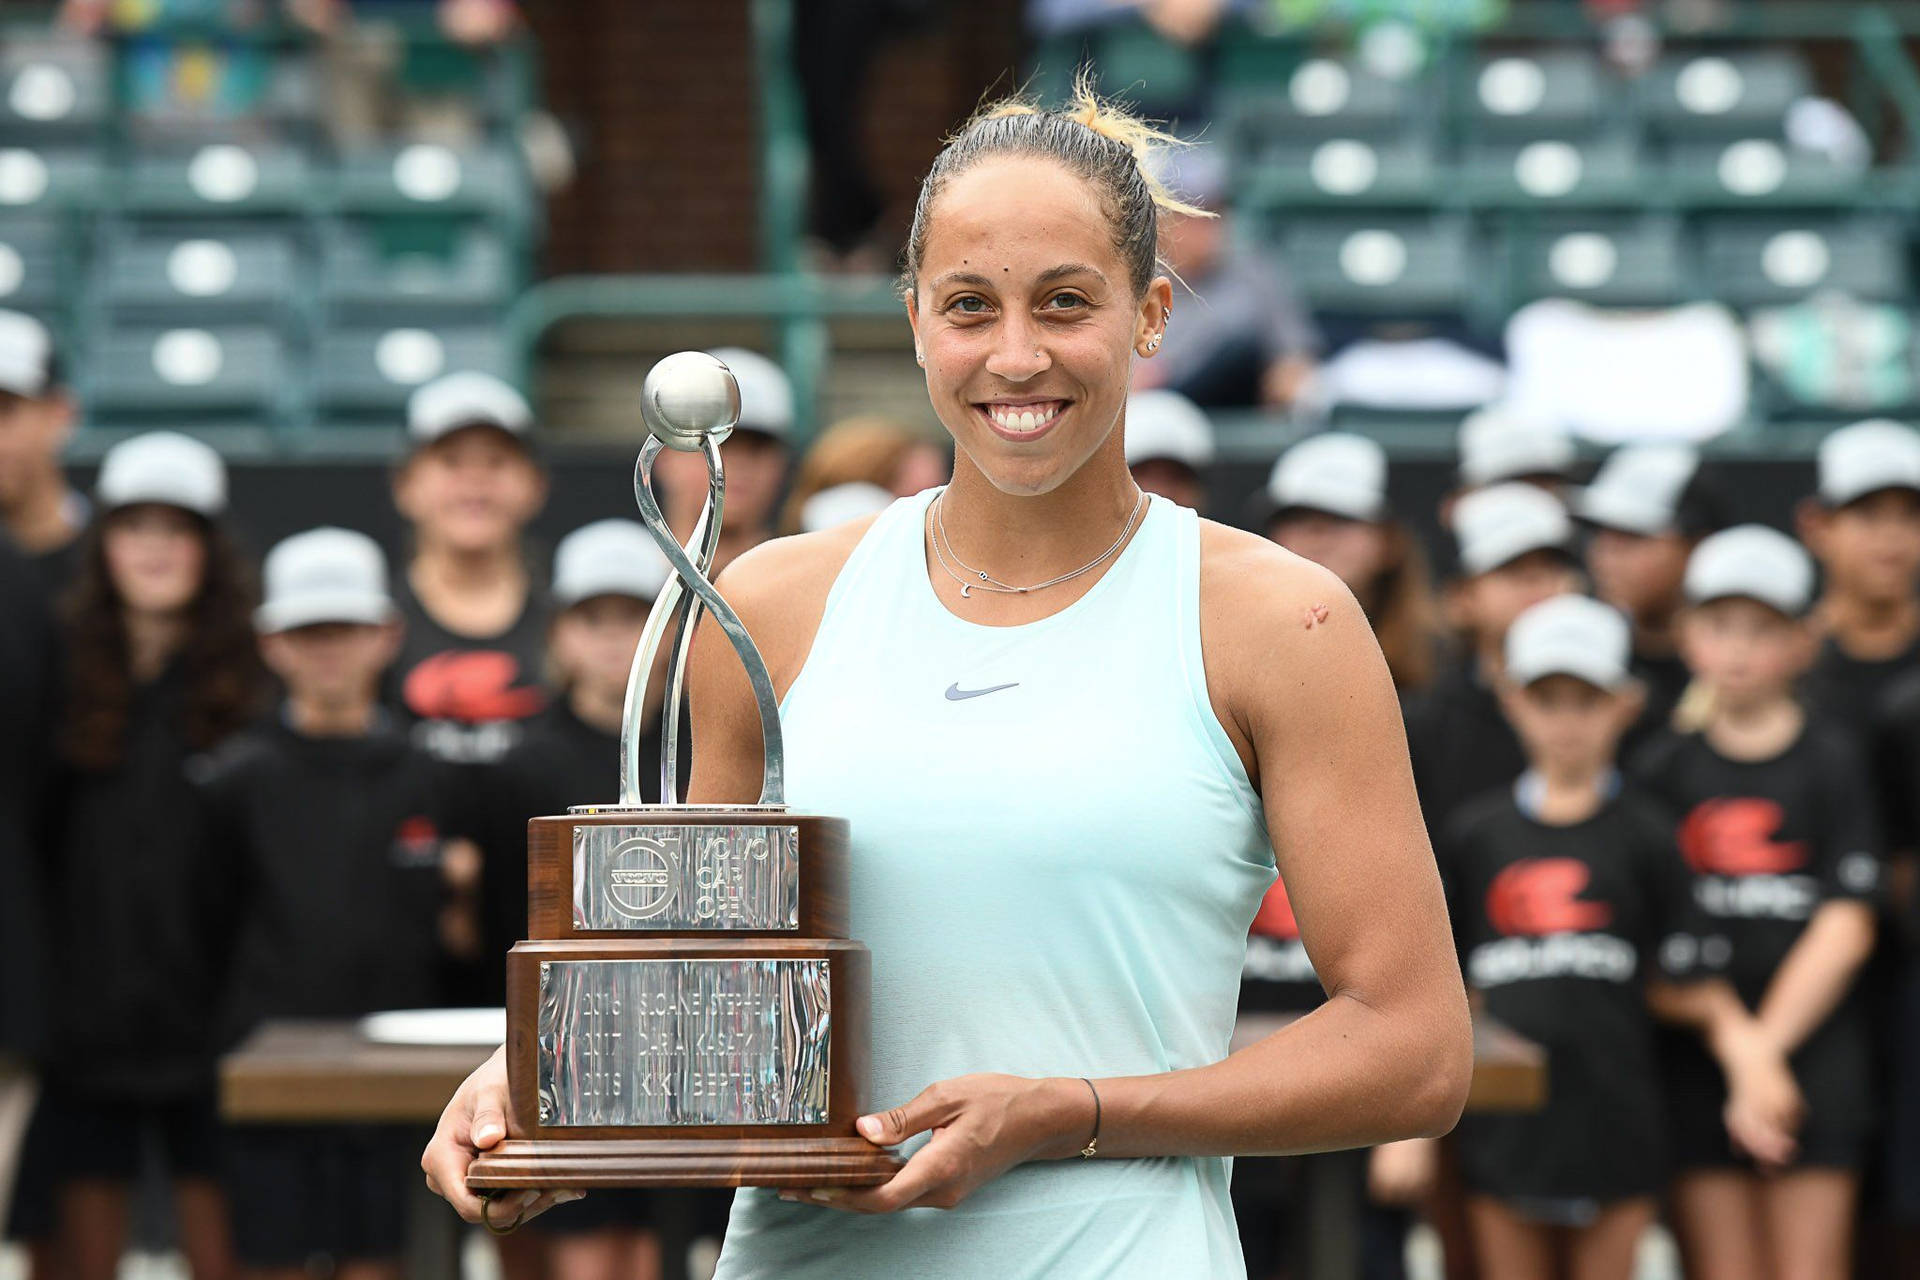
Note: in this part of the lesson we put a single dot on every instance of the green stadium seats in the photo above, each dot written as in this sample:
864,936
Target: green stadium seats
48,178
1631,261
369,373
427,178
1606,170
199,276
1318,99
1722,95
1382,265
33,262
368,276
1757,171
52,92
220,178
146,376
1548,94
1337,171
1748,262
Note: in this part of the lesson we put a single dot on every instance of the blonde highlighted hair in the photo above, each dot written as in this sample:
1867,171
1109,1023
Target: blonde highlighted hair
1101,139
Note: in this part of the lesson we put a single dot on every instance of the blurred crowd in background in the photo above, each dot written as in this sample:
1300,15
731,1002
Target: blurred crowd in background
238,787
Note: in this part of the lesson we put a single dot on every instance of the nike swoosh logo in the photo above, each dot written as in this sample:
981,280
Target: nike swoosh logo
956,694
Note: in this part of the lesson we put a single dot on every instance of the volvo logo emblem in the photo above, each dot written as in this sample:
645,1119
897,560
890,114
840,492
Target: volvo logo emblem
640,879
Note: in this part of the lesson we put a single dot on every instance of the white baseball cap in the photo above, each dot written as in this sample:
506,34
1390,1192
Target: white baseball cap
26,349
164,467
766,393
1498,444
1570,635
1337,472
841,503
1165,424
1755,562
324,575
608,558
1867,457
466,399
1638,488
1502,522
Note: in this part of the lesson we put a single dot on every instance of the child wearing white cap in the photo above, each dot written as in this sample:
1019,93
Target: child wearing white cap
1326,499
606,576
1574,915
1645,510
1777,826
1863,526
160,666
326,829
39,510
756,456
1169,442
1515,545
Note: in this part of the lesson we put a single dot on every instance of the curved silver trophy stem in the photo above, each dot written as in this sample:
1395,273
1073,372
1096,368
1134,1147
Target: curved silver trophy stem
687,593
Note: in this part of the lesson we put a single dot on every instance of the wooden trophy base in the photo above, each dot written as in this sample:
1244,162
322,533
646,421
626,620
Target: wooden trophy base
612,1162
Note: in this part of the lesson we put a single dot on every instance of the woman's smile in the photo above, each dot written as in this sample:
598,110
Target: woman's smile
1022,419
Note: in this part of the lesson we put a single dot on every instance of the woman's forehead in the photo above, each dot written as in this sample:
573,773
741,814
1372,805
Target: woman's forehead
1017,217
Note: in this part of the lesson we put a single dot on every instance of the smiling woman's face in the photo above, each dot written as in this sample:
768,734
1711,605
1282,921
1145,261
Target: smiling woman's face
1028,321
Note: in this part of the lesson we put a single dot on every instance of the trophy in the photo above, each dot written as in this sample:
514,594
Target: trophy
688,1010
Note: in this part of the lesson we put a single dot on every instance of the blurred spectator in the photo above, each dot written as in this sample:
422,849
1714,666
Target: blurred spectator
1243,337
755,455
869,450
160,664
1516,549
1863,525
1646,508
1497,444
841,504
469,667
41,512
1326,500
1169,446
324,831
1776,820
606,576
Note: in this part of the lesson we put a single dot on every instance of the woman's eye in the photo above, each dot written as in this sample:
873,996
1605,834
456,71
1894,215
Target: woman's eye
968,305
1065,302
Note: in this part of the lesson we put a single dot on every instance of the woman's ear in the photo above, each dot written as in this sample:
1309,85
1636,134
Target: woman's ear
913,324
1156,309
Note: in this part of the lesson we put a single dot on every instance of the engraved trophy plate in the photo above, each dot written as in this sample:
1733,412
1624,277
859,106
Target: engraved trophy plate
686,877
683,1042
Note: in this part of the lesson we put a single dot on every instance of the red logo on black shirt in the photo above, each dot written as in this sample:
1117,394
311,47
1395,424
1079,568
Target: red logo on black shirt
1275,917
1735,837
472,685
1542,895
416,842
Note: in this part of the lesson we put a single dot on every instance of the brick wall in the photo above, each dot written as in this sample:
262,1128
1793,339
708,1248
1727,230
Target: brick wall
659,96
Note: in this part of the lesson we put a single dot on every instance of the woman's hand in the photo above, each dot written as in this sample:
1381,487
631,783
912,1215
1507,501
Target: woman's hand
474,1121
1402,1173
982,1125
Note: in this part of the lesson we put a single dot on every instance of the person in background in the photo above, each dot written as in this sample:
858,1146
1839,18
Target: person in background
1863,526
1777,825
1645,509
1575,914
1326,499
606,576
1515,544
324,827
39,510
1169,446
1496,445
842,503
866,450
161,665
755,455
1244,336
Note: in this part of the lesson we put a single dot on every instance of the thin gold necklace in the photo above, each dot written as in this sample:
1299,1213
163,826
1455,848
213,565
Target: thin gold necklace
981,579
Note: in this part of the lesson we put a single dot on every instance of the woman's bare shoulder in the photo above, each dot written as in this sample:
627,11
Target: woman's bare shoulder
780,588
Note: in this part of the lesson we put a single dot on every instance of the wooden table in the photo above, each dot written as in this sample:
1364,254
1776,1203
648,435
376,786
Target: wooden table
328,1073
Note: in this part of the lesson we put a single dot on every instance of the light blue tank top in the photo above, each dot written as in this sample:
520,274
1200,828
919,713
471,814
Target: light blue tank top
1055,879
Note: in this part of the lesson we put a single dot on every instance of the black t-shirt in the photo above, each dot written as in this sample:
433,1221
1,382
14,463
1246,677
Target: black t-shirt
1845,691
1559,929
466,698
1460,743
134,932
26,662
1277,976
1664,677
1896,758
329,857
559,761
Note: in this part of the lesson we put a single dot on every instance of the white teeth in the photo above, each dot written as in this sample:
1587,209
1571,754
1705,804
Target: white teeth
1023,420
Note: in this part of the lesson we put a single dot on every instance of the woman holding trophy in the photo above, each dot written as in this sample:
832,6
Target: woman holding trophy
1074,729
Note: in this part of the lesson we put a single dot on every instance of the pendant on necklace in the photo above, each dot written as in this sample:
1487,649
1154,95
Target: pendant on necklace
966,591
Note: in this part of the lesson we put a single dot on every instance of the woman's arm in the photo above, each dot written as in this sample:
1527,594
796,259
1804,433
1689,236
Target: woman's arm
1301,687
1817,972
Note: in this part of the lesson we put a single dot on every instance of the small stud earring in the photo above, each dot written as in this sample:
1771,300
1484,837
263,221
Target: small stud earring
919,356
1153,343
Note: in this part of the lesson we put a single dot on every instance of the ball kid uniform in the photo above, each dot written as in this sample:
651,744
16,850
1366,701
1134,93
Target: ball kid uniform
1767,842
329,853
1560,927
